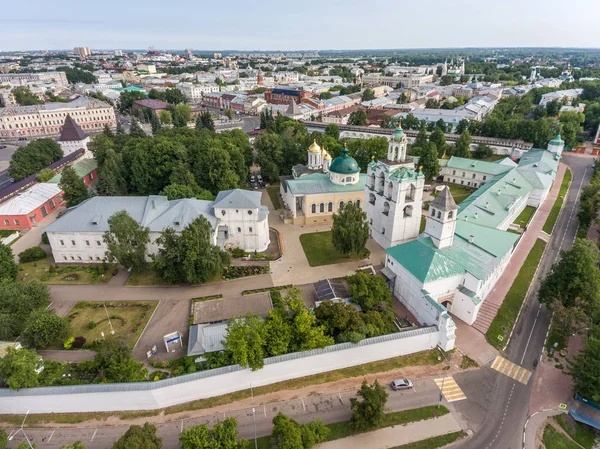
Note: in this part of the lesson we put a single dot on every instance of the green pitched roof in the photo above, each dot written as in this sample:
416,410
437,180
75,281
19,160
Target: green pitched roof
492,241
316,183
490,168
82,168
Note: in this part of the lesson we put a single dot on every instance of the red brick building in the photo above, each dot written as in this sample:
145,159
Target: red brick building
30,207
284,96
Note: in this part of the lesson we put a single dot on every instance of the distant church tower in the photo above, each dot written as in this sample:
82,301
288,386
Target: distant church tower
260,78
441,219
397,146
73,138
556,145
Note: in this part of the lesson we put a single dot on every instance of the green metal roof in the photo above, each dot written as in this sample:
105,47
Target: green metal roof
344,164
557,140
489,168
316,183
470,293
398,134
492,241
82,168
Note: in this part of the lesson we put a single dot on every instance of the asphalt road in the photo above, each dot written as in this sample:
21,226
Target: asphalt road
502,427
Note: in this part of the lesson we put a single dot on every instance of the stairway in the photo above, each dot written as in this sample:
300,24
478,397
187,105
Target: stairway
487,312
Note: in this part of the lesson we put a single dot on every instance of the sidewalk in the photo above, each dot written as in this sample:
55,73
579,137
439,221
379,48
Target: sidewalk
397,435
492,303
33,236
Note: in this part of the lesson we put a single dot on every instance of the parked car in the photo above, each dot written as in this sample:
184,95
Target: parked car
2,147
22,138
401,384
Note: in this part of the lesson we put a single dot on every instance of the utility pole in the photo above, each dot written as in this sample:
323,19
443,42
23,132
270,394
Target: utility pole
109,323
447,359
253,416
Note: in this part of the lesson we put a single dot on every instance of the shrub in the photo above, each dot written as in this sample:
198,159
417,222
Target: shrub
45,239
32,254
237,253
69,343
78,342
91,325
51,269
71,277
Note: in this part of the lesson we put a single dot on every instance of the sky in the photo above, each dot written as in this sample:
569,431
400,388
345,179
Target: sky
297,25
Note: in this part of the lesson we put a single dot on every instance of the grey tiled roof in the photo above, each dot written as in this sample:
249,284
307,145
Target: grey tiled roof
238,198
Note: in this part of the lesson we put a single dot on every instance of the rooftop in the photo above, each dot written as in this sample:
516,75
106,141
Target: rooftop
316,183
71,131
30,199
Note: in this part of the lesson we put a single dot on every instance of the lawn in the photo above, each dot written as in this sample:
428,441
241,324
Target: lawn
128,319
562,193
143,277
459,193
273,192
63,274
509,310
434,442
584,435
344,429
553,439
525,216
319,250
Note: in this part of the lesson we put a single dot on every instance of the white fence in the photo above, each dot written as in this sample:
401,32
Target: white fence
206,384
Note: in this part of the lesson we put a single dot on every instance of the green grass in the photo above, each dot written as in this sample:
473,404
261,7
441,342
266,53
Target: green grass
344,429
467,362
143,277
525,216
319,250
553,439
273,192
459,193
422,226
434,442
40,270
494,157
584,435
562,193
509,310
5,233
128,319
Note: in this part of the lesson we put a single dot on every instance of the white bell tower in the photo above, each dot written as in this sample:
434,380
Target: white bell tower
441,219
397,146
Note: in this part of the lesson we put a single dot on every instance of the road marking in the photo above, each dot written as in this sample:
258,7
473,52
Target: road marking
51,435
450,389
94,435
530,334
511,370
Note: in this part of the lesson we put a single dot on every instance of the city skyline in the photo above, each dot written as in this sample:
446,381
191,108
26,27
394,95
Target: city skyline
287,27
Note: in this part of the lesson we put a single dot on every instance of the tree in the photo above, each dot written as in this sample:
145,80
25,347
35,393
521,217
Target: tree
182,114
438,138
575,277
552,107
339,319
205,121
3,439
75,190
155,123
368,411
111,176
24,96
18,368
33,157
358,118
571,124
350,230
429,161
44,328
369,292
114,362
120,129
325,95
565,319
245,341
333,131
288,434
45,175
432,103
462,126
157,95
306,334
223,435
462,147
126,241
127,98
420,141
277,332
17,302
75,445
368,95
174,96
585,367
180,191
139,437
136,130
8,268
483,151
165,117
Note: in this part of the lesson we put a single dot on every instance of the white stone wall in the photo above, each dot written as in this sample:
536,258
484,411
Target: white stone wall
467,178
244,229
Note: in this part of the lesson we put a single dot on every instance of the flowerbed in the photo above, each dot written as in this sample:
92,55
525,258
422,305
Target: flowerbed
235,272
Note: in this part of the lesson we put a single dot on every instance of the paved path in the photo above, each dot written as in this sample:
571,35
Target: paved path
492,303
33,236
396,435
533,424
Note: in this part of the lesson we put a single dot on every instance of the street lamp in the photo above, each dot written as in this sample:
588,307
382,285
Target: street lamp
444,378
22,430
109,323
253,416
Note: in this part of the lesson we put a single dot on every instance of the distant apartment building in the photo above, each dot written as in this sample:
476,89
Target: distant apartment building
284,96
195,92
59,78
404,80
561,95
47,119
82,52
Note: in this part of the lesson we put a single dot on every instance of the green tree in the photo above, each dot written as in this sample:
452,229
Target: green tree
325,95
139,437
432,103
182,115
136,130
155,123
120,129
438,138
245,341
18,368
111,176
157,95
126,241
369,292
585,367
8,268
462,126
368,95
368,410
75,445
358,118
33,157
165,117
174,96
333,131
429,162
180,191
350,230
17,302
462,148
338,318
3,439
44,328
166,263
223,435
575,276
289,434
306,333
45,175
420,141
571,123
127,98
483,151
75,190
24,96
114,362
277,332
552,107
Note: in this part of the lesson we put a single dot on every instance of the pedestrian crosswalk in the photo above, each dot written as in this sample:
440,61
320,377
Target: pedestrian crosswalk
450,389
511,369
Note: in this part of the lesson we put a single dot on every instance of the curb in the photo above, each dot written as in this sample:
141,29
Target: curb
147,324
562,205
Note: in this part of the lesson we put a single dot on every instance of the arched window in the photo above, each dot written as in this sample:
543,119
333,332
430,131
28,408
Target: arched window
341,206
358,203
313,208
450,214
371,198
386,208
382,231
322,207
408,211
439,215
410,193
433,212
330,207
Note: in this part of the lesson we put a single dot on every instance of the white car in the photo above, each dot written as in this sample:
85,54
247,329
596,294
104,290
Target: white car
401,384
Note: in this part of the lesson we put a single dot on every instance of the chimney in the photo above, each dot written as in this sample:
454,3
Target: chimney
471,238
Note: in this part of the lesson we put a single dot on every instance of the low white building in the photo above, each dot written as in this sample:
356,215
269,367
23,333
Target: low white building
560,95
236,216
